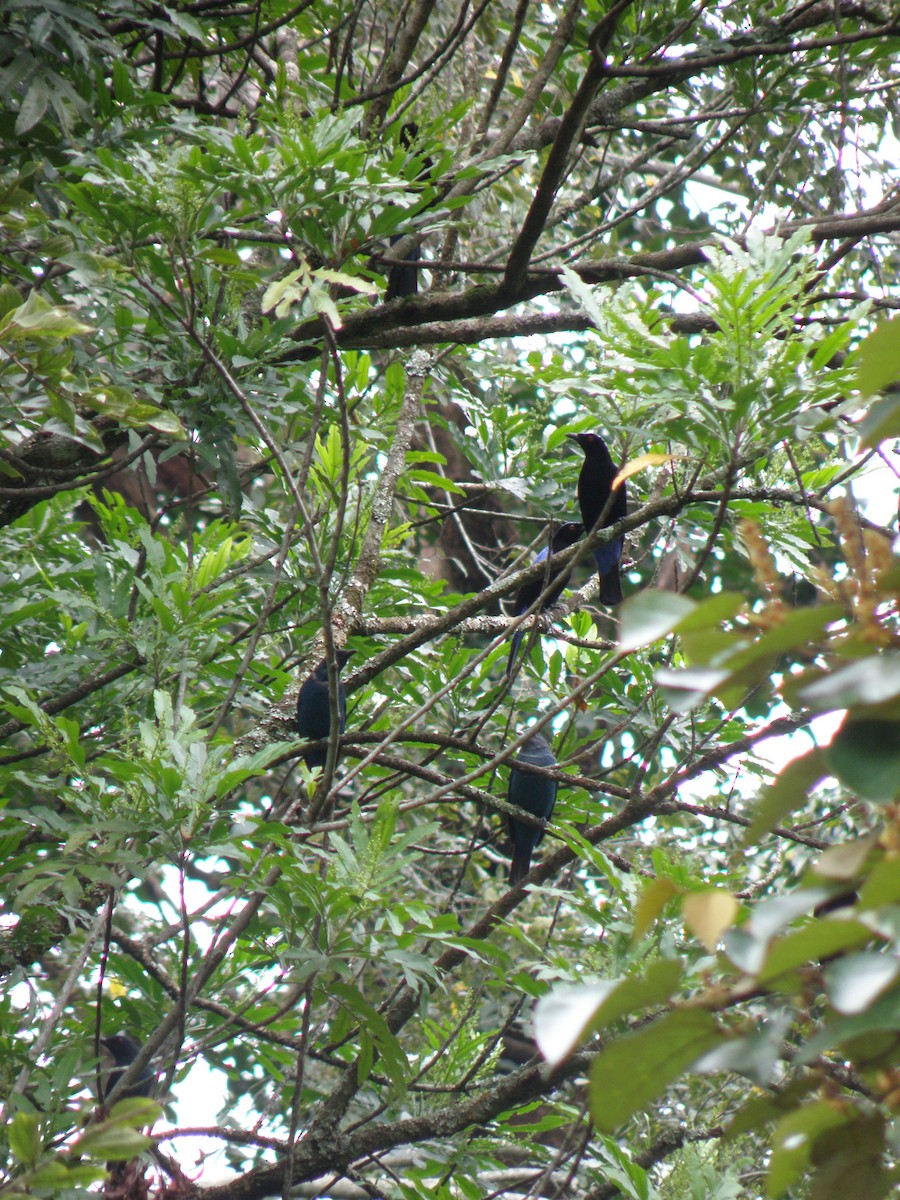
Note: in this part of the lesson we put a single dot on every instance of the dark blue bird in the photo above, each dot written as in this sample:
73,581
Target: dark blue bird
404,281
594,488
124,1050
314,709
549,586
537,796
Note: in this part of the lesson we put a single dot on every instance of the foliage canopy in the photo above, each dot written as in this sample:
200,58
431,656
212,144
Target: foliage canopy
223,455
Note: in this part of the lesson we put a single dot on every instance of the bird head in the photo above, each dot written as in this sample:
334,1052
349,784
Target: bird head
590,443
342,657
569,532
122,1047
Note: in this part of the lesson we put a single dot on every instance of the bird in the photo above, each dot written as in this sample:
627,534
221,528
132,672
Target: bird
549,586
534,793
124,1050
404,281
314,709
594,490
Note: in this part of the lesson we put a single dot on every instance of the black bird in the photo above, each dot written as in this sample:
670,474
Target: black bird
594,488
549,586
124,1050
314,710
404,281
536,795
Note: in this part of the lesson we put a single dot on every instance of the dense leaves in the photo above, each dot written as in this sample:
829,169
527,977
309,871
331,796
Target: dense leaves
224,457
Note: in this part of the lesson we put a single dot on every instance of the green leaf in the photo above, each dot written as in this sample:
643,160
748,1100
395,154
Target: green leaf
56,1176
882,421
25,1138
632,1071
33,106
709,613
567,1013
794,1139
119,1136
878,357
815,941
789,792
248,766
871,680
853,982
38,319
881,1017
882,885
389,1049
650,615
846,859
125,407
865,755
684,690
112,1140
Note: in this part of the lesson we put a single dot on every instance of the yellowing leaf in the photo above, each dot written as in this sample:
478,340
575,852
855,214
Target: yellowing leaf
844,860
708,914
654,898
638,464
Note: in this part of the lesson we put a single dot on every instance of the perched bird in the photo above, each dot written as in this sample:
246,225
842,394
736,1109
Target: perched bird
314,710
550,585
404,281
594,489
124,1050
536,795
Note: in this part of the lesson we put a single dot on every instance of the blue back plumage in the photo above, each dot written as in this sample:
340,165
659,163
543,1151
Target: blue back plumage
551,587
596,497
537,796
124,1050
314,710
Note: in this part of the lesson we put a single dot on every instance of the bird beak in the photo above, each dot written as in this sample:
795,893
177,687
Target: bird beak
573,437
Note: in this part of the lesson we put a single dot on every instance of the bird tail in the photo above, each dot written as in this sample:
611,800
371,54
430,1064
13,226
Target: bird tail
513,651
611,587
520,865
607,560
403,281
